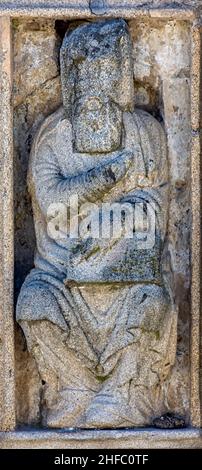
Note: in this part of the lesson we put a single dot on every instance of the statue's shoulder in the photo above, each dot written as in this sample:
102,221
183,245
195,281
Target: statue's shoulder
147,122
49,129
47,142
152,138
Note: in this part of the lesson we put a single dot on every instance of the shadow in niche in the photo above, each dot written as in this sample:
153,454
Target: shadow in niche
62,26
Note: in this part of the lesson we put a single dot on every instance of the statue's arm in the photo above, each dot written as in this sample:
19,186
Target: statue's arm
52,187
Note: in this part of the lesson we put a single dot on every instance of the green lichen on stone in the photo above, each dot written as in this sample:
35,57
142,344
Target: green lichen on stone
102,379
15,24
95,250
157,335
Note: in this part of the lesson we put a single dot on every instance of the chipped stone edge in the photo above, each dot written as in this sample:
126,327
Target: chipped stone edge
7,411
102,439
196,227
70,12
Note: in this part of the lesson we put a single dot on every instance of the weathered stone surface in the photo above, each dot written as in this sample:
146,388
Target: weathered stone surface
37,93
97,439
36,63
153,93
93,57
36,58
163,87
28,384
109,366
98,7
7,381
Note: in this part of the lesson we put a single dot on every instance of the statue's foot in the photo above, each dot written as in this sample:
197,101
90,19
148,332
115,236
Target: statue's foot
62,418
107,411
68,409
63,415
58,420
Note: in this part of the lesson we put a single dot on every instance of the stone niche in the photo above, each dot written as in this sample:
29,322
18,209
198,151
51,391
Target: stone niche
166,51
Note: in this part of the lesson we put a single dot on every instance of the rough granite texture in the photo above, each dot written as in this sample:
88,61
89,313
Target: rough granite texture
100,439
195,397
96,7
37,93
7,380
102,366
161,85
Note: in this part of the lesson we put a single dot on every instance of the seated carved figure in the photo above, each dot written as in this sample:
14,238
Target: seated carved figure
97,311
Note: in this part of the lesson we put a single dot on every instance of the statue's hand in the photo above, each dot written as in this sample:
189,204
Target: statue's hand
121,164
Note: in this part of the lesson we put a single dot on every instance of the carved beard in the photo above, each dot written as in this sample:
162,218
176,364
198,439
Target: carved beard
97,126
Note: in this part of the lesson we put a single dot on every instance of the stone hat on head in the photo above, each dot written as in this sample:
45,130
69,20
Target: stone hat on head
98,41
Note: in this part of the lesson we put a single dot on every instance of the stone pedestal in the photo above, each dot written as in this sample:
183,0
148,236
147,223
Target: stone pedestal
114,439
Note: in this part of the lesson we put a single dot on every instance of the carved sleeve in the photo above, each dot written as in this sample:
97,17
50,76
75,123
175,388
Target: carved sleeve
52,187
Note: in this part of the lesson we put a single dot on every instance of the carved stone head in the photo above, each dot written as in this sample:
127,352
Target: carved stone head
97,83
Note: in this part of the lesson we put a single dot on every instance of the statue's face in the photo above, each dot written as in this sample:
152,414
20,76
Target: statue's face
103,86
97,125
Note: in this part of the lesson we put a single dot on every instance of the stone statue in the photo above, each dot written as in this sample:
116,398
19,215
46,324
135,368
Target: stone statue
97,311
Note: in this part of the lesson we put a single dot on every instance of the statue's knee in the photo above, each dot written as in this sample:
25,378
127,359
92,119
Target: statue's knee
36,302
150,305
